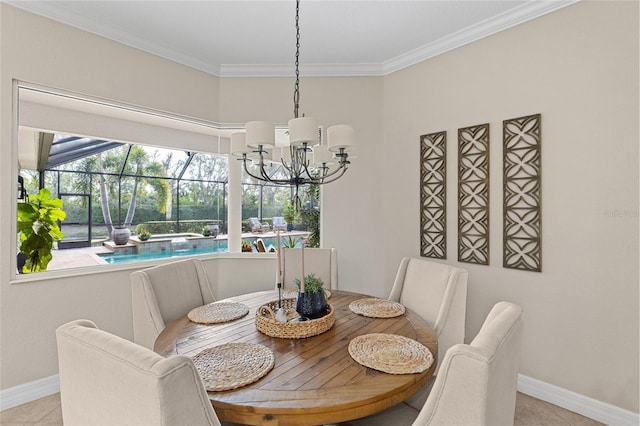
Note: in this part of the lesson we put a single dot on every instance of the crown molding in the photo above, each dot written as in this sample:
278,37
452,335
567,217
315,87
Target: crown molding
516,16
308,70
53,10
530,10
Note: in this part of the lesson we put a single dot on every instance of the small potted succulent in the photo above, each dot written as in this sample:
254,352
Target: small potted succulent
312,303
206,231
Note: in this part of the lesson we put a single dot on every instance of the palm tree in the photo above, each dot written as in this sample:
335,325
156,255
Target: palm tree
144,170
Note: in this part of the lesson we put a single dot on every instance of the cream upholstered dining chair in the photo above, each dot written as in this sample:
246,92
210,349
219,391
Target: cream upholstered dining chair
438,293
164,293
477,383
107,380
322,262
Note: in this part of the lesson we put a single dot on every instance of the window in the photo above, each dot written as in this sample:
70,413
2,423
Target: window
115,166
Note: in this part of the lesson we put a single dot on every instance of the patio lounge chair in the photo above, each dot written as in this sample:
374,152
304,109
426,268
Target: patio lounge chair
256,226
279,224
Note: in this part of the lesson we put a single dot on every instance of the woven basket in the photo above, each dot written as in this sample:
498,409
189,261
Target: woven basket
292,329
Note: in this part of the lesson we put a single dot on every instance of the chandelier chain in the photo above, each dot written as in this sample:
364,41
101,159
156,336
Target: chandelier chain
296,92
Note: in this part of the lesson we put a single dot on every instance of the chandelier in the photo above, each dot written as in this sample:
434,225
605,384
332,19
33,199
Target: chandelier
302,158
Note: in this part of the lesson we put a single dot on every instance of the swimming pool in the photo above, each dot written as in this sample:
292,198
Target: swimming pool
180,248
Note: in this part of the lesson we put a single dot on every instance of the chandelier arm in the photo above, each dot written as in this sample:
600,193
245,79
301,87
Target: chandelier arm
268,180
328,174
246,168
262,169
298,159
304,162
324,180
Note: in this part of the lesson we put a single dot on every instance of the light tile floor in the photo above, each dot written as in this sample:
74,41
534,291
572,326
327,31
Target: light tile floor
529,412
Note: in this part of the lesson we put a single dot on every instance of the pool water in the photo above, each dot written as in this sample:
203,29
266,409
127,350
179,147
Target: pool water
220,247
112,258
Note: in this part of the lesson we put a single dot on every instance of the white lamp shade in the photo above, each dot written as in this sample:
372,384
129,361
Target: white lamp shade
260,133
238,144
304,129
340,136
321,154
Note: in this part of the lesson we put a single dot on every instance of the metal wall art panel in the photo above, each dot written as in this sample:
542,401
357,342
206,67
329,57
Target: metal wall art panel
473,194
433,200
522,193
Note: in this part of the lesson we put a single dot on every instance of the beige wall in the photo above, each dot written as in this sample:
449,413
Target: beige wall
38,50
578,67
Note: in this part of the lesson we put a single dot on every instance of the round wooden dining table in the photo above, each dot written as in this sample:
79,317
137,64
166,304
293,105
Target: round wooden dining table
314,380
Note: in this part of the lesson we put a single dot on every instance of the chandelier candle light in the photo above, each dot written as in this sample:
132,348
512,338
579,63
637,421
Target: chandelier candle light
281,313
304,158
279,265
302,267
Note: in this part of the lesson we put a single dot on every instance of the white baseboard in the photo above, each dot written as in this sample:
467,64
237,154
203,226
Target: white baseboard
588,407
21,394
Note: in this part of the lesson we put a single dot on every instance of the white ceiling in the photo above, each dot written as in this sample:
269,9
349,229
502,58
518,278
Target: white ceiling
257,38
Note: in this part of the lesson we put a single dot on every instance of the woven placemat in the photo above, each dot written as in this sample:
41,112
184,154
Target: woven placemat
293,293
390,353
218,312
233,365
377,308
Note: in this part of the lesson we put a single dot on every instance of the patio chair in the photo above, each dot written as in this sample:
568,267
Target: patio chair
163,293
279,224
257,226
108,380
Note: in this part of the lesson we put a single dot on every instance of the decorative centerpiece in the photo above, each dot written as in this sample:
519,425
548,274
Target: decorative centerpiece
292,328
312,301
296,318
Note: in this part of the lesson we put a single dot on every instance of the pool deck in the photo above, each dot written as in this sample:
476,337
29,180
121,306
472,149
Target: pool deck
88,256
